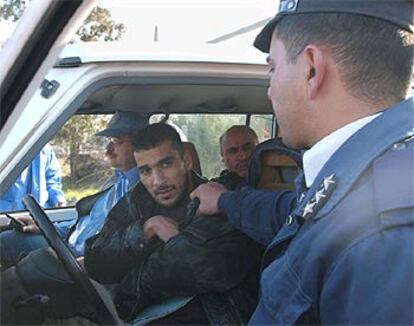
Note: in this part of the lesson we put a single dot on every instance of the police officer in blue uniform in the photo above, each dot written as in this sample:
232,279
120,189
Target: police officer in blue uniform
343,254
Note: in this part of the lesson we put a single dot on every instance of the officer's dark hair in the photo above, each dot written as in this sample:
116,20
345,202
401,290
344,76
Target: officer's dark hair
155,134
235,127
375,57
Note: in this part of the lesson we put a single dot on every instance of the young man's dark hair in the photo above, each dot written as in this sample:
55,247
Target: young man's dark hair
147,138
353,39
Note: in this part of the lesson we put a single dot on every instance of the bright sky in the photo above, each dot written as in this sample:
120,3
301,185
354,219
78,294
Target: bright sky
187,19
186,22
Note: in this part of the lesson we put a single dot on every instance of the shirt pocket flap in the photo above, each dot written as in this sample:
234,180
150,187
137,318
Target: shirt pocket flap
283,296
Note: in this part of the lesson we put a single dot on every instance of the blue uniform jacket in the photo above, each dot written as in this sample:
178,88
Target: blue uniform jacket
93,210
41,179
344,255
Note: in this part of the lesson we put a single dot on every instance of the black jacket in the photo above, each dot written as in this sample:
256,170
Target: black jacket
209,258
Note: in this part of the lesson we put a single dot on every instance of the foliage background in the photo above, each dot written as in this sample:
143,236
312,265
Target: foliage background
80,153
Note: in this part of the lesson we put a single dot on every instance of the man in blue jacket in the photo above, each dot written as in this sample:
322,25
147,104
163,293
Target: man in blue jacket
339,74
92,210
41,179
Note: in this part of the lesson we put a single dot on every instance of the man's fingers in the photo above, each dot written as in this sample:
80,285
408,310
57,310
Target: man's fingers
25,220
148,229
208,193
160,226
32,228
193,194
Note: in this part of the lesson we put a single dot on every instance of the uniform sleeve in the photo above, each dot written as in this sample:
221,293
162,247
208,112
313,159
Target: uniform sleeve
372,282
119,246
53,178
257,213
208,256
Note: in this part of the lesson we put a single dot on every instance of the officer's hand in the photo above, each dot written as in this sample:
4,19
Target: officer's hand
30,226
208,193
160,226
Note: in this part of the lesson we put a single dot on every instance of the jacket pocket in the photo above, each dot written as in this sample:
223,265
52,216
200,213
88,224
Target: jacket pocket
282,294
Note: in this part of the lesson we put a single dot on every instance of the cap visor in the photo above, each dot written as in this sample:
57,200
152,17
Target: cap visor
110,133
264,38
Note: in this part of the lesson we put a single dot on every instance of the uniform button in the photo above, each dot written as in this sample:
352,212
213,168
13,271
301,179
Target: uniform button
399,146
289,220
291,4
141,245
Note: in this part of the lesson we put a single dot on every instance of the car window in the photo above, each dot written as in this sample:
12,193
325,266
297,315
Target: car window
204,131
263,125
82,156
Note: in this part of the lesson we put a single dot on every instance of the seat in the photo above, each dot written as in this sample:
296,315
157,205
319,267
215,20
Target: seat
274,166
190,149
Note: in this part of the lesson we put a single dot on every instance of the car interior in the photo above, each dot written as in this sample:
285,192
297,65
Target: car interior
247,101
240,101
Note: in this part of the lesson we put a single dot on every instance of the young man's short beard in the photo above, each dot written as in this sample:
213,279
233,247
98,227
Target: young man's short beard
185,193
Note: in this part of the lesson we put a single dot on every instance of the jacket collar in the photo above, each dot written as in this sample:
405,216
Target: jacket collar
354,156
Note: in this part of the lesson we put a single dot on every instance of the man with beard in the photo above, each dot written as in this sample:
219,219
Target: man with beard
195,270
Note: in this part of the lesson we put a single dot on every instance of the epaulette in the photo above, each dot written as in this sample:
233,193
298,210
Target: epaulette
393,175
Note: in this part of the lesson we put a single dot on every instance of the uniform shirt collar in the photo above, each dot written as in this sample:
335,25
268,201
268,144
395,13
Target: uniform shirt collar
131,175
315,158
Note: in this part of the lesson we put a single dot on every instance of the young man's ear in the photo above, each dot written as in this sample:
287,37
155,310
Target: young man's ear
188,161
316,61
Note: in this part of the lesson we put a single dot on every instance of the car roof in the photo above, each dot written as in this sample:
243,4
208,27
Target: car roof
88,52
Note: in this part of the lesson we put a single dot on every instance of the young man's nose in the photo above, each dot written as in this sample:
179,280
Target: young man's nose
157,177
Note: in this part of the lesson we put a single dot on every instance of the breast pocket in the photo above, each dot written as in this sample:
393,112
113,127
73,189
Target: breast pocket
283,296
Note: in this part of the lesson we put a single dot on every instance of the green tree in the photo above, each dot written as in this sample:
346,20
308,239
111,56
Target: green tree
12,9
204,131
78,131
78,136
97,26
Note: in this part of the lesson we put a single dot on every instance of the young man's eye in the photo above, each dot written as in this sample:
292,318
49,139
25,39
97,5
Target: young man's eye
144,172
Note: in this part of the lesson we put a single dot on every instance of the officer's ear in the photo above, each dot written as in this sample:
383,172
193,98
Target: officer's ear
315,69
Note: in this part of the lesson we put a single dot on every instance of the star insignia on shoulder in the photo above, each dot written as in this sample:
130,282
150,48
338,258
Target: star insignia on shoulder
328,182
308,210
320,195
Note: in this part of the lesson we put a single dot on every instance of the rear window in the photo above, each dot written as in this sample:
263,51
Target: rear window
204,131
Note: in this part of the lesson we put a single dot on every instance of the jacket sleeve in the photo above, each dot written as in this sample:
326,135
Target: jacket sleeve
208,256
119,246
53,178
257,213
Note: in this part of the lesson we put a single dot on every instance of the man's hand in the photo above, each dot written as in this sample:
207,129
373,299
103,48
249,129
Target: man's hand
30,226
61,203
208,193
162,227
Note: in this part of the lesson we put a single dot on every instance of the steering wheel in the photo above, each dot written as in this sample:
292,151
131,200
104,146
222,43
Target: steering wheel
72,266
